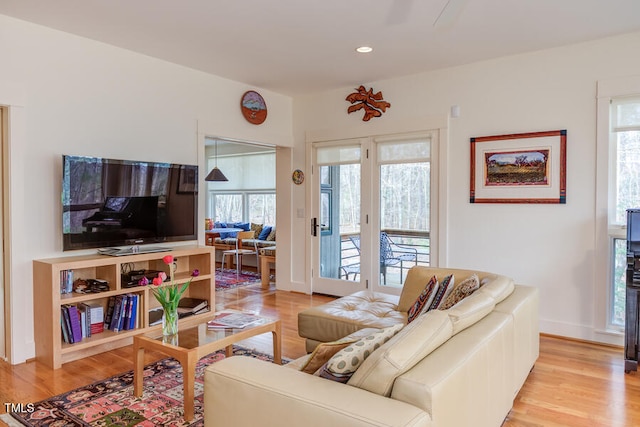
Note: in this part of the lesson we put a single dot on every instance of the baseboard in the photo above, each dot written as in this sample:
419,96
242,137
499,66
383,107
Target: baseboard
580,333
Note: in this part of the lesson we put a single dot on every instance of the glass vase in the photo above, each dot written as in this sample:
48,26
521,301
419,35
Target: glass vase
170,322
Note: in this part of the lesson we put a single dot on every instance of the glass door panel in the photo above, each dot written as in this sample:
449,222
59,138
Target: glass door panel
404,193
337,191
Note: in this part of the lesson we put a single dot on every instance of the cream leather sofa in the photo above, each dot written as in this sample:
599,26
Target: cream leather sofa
457,367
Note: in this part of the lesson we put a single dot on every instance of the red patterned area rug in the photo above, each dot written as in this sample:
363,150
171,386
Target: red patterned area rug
228,279
111,402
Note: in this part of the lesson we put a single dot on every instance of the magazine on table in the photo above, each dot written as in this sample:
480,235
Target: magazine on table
233,320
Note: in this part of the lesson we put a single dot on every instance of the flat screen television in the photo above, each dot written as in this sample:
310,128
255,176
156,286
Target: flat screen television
108,203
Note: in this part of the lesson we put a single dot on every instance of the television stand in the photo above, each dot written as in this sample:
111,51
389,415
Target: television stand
132,250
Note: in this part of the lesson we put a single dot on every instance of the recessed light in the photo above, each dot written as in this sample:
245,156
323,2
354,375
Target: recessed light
364,49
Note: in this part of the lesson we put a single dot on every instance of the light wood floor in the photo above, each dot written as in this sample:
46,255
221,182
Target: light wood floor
572,383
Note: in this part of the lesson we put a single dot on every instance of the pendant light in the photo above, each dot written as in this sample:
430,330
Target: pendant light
216,174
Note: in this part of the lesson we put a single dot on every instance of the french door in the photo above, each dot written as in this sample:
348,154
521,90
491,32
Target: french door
371,212
337,212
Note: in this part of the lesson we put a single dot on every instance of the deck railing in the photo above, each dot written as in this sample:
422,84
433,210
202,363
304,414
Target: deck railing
418,240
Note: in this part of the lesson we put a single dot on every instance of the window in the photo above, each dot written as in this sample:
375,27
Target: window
624,191
250,193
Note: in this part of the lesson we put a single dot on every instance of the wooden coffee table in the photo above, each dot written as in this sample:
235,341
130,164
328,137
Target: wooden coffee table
191,345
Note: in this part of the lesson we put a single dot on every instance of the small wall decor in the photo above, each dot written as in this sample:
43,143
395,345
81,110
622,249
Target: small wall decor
253,107
519,168
297,177
372,103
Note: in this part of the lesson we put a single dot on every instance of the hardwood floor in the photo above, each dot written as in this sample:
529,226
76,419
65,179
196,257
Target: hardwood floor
572,384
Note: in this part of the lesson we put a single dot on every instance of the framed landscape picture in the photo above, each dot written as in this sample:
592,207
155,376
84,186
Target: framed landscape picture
519,168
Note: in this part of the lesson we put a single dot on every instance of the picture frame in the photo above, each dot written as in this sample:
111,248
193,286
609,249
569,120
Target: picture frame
519,168
187,180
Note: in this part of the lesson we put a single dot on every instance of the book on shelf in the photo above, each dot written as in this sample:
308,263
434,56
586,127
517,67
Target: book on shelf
109,314
82,311
192,305
95,317
126,314
66,281
204,309
123,313
155,316
67,323
133,311
232,320
74,320
116,318
63,326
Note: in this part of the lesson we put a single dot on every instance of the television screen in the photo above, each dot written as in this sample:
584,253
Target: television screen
109,202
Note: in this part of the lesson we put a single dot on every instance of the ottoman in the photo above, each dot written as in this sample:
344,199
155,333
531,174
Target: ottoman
343,316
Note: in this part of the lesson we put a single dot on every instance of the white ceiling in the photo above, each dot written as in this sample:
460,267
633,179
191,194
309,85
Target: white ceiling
305,46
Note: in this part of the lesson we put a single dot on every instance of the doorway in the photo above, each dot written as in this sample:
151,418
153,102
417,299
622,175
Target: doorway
373,209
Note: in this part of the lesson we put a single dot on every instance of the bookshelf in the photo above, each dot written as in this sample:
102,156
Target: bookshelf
48,299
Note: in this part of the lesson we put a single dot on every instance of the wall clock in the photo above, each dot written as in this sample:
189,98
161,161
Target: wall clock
297,177
253,107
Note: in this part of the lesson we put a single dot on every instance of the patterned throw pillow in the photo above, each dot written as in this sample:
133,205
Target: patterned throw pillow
444,290
272,236
345,362
323,352
257,229
423,300
460,292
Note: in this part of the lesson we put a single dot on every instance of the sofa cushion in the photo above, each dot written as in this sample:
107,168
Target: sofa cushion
424,300
412,344
341,366
460,292
444,289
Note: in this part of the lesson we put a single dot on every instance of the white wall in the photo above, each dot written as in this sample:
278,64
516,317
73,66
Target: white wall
71,95
547,246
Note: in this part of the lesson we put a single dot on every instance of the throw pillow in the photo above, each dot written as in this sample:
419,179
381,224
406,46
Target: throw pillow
444,290
272,235
257,229
345,362
243,225
323,352
413,285
423,300
460,292
266,230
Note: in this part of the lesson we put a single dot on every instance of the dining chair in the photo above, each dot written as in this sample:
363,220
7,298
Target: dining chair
241,251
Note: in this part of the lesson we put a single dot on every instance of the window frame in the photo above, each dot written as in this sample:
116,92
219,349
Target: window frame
245,194
607,231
